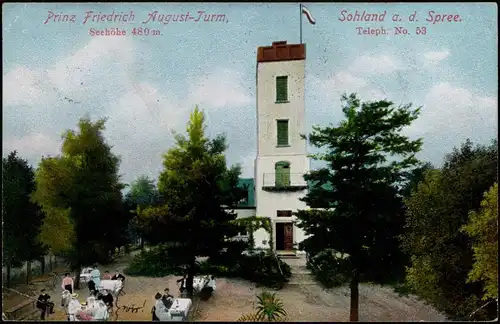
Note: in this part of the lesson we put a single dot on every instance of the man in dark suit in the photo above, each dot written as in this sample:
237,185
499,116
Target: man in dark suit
118,276
44,304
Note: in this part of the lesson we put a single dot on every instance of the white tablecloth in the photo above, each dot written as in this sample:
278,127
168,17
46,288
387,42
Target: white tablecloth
199,283
112,285
180,308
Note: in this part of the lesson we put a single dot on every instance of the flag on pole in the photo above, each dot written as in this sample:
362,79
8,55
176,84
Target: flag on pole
308,14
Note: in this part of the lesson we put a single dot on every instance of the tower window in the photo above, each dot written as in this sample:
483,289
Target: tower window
282,128
282,174
281,88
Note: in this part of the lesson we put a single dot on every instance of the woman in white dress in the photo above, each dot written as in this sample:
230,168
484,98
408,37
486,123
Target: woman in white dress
65,299
92,304
102,312
73,307
161,311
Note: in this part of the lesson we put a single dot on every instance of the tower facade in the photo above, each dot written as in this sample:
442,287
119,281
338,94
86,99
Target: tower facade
281,160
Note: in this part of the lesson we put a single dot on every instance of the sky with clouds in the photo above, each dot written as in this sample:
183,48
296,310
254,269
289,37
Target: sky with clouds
55,72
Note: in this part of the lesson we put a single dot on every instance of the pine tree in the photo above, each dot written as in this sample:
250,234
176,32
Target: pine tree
358,190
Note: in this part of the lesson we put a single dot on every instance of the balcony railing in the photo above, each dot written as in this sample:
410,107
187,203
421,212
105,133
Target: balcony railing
284,182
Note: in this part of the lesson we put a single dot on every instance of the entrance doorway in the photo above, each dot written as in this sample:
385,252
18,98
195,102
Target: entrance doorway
284,236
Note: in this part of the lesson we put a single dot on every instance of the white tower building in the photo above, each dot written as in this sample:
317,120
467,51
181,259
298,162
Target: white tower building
281,158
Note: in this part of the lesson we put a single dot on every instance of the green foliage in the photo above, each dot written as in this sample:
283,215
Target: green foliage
330,268
441,254
197,188
264,268
83,185
231,254
269,309
415,177
142,194
483,229
367,159
254,223
155,262
22,219
259,267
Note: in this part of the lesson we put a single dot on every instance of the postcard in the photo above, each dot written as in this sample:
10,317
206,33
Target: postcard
179,116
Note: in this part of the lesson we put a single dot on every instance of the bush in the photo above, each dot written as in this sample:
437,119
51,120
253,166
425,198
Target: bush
230,256
261,267
329,268
153,263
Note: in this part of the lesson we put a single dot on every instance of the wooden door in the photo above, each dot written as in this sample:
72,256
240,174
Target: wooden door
288,236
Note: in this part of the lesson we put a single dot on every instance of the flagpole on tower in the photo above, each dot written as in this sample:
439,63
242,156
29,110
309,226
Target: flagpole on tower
300,13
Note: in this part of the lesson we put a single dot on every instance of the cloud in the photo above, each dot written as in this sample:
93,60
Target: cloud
22,86
332,88
452,114
102,64
434,58
449,116
103,78
220,89
375,64
33,146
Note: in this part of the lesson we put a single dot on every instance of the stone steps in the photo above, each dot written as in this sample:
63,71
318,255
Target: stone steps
301,276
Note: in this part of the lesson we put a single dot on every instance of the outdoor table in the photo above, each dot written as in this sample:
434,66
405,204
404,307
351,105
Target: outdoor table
112,285
180,309
199,283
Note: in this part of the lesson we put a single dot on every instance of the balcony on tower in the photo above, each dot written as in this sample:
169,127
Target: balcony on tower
284,181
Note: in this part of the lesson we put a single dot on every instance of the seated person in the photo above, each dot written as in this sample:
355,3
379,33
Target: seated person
211,283
44,304
73,307
107,275
82,314
91,302
118,276
167,298
102,312
161,311
65,298
107,298
208,289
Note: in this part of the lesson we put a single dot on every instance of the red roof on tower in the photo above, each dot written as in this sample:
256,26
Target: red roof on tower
281,51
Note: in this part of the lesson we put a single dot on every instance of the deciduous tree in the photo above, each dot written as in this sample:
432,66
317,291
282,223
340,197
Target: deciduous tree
483,229
367,158
83,183
441,254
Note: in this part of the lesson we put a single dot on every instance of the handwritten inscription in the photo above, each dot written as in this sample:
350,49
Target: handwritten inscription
431,17
133,308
